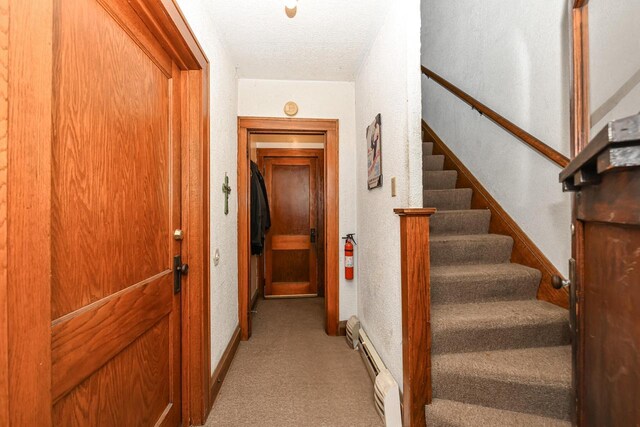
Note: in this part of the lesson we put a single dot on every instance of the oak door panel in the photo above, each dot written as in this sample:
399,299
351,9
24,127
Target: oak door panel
115,200
110,159
611,313
290,256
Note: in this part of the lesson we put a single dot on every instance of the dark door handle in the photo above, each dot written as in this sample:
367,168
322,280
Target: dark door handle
313,235
178,270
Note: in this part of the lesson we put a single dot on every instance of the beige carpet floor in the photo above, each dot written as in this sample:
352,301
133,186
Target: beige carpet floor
292,374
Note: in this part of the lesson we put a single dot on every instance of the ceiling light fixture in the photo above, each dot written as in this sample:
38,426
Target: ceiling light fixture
291,7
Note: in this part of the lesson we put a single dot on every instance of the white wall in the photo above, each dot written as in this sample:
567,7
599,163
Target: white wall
614,46
388,83
223,158
325,100
512,55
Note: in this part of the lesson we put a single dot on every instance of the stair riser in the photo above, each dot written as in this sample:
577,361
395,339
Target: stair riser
470,252
458,223
439,180
448,200
488,339
548,401
432,163
427,148
477,290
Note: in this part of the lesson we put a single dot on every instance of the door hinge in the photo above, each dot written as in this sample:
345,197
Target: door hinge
178,270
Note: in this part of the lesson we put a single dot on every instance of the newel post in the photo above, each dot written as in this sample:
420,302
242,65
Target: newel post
416,313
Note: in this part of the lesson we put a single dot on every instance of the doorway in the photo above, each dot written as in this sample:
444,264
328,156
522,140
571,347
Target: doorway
301,250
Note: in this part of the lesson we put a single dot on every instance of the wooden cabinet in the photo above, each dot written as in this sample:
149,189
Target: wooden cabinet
606,179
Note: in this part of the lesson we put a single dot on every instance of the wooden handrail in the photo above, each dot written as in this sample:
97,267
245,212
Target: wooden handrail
514,130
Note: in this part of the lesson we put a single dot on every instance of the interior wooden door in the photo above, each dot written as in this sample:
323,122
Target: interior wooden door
290,246
116,200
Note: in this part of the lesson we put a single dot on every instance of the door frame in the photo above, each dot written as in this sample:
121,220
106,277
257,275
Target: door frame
318,154
328,127
580,116
25,199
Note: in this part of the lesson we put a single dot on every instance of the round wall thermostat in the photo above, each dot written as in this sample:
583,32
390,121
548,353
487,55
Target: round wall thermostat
291,108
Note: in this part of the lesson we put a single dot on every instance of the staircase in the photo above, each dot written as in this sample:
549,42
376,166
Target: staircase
500,357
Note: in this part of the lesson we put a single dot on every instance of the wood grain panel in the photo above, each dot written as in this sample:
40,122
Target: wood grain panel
110,160
333,242
104,329
288,185
34,38
286,242
292,190
580,98
195,217
318,154
416,313
128,391
611,314
4,119
524,252
281,289
29,211
244,232
170,28
130,22
624,190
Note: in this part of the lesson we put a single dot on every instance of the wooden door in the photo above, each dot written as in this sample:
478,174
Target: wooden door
607,275
116,200
290,247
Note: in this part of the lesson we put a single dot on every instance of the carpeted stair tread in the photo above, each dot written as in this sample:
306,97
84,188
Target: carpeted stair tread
439,180
432,163
448,200
470,249
476,327
427,148
447,413
466,221
530,380
460,284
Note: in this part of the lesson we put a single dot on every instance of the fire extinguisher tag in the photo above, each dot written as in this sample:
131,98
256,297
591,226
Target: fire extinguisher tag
348,261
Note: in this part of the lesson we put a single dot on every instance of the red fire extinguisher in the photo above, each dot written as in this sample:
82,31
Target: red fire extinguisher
348,256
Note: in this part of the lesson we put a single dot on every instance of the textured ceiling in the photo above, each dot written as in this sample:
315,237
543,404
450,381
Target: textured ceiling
325,41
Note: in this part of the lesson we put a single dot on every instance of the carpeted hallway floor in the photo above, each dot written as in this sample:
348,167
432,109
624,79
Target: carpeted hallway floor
292,374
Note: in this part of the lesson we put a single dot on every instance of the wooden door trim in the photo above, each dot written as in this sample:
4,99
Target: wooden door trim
330,128
25,200
580,118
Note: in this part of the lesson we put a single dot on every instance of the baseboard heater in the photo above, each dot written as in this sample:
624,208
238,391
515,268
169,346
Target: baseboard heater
386,394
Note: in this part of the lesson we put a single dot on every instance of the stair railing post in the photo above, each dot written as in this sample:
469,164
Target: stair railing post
416,313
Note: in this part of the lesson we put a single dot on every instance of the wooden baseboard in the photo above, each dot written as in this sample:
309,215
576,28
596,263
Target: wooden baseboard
254,300
525,252
342,328
223,366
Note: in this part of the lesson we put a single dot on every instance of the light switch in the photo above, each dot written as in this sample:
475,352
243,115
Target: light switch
393,186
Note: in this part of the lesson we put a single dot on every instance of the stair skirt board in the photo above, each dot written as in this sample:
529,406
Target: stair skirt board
499,355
